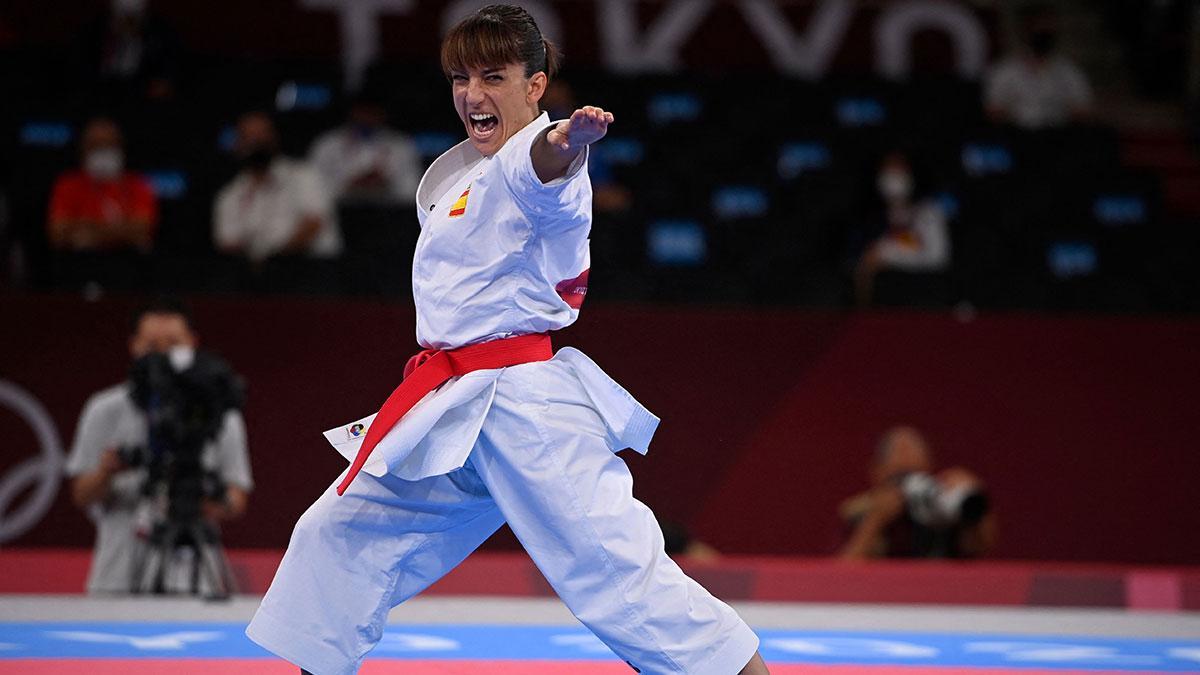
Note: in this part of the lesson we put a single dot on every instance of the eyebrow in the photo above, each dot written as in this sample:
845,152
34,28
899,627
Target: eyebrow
489,71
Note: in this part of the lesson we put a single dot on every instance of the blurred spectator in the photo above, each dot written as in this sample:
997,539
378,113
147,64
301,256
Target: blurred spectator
365,160
275,205
911,513
915,237
102,206
109,490
678,541
1037,87
607,194
132,51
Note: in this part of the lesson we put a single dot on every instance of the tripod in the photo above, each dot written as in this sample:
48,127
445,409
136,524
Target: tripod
208,573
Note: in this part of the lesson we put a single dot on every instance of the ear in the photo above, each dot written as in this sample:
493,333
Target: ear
536,88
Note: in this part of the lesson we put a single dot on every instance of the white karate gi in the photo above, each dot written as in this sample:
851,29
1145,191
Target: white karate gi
532,445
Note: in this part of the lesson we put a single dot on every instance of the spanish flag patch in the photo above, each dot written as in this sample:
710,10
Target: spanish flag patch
460,206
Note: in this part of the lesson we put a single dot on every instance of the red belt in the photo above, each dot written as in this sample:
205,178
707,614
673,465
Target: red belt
427,371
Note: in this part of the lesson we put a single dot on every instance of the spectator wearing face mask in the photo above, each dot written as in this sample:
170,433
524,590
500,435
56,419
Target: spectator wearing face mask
364,160
101,206
275,205
915,237
1037,87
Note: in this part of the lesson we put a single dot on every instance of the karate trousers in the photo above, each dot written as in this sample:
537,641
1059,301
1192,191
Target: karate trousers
543,462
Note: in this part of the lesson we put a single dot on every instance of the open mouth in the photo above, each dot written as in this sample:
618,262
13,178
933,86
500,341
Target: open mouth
483,124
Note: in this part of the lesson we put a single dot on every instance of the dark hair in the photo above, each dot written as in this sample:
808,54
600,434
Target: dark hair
495,36
163,304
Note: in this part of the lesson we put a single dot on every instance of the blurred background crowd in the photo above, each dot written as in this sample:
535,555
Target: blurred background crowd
147,148
1025,173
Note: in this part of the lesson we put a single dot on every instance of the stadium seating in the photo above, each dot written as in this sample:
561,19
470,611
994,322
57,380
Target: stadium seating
749,189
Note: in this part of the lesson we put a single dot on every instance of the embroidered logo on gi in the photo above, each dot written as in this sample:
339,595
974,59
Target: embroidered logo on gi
355,430
572,291
460,206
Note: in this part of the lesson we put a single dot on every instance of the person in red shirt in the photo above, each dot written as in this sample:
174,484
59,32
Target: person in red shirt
101,206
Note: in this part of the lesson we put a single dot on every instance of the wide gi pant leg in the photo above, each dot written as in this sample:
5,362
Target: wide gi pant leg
543,461
352,558
546,461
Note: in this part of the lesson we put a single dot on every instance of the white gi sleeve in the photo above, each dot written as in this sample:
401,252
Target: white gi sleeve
562,203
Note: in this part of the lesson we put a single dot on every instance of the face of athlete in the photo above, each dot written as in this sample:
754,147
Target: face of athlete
495,102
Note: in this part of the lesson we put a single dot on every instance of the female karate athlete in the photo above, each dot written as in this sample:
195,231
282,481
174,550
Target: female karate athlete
489,425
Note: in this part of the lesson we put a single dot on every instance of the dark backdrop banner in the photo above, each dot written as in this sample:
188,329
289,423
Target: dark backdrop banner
807,39
1085,428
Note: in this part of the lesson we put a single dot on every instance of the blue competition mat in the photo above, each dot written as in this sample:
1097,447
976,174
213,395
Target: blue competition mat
226,640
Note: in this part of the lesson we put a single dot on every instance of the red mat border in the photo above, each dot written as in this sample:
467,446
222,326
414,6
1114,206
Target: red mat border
458,667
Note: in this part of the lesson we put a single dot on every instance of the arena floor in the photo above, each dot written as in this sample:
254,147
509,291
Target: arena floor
492,636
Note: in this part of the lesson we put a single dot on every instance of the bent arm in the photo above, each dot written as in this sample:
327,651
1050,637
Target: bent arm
231,507
306,231
864,541
229,233
234,469
94,486
980,540
885,504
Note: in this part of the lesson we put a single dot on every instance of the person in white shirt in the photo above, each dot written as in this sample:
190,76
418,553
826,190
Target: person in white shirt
111,492
917,238
501,261
1038,87
364,160
275,205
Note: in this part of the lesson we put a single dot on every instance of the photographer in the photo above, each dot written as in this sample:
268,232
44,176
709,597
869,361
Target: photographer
113,432
910,512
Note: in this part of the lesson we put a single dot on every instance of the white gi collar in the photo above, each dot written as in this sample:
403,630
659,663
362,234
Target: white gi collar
447,169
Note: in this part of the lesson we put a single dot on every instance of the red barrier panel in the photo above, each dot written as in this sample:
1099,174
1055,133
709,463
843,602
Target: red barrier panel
1084,428
740,578
262,666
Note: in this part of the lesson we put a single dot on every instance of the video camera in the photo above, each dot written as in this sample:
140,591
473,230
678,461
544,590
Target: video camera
185,395
931,504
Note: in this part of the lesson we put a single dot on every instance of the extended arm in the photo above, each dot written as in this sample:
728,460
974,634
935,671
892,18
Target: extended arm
555,149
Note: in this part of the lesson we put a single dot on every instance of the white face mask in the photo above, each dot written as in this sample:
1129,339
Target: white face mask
181,358
105,163
895,185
